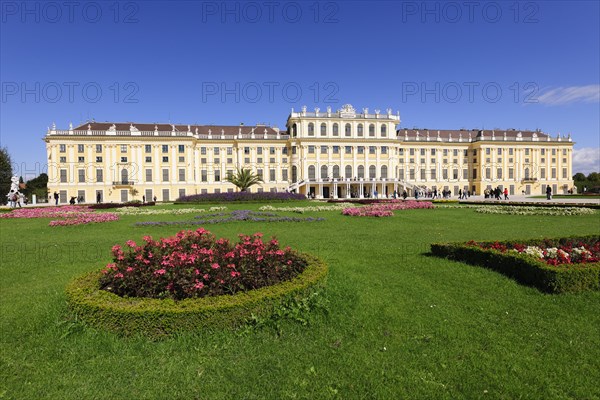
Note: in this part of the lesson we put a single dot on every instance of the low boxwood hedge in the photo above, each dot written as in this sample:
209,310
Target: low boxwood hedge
157,318
568,278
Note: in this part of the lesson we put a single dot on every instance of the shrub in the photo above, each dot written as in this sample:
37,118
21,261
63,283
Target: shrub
526,268
385,209
240,197
136,203
157,318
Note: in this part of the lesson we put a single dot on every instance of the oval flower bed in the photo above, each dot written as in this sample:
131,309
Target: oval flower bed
69,215
192,281
552,265
385,209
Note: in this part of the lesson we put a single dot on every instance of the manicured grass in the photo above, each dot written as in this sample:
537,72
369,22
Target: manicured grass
401,323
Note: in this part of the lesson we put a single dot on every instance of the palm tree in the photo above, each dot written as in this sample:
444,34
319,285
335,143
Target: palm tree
243,178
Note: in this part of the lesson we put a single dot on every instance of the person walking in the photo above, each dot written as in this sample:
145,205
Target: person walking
505,193
56,198
548,193
98,198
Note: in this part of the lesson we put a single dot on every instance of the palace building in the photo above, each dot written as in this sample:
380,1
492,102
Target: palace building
331,154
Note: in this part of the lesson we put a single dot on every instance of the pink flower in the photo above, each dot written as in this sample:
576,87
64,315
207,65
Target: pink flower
160,272
130,243
215,266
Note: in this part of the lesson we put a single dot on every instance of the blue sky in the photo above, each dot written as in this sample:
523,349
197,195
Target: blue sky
443,65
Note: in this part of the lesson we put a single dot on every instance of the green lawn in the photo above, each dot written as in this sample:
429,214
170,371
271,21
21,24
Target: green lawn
401,324
569,196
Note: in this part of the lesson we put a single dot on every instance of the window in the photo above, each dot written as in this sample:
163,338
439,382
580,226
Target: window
181,148
488,151
510,151
564,173
284,174
384,171
98,148
284,151
246,150
499,151
148,175
80,148
62,148
543,152
259,150
165,175
311,129
80,175
371,149
433,152
324,173
371,130
230,161
165,159
465,174
165,194
204,175
99,159
488,173
372,172
432,174
511,173
80,159
348,149
384,149
259,172
543,173
230,151
361,171
336,130
181,175
323,149
311,172
271,150
323,129
361,150
423,174
348,172
499,173
348,130
311,149
272,175
99,175
474,173
455,173
123,159
359,130
412,152
216,161
401,152
63,176
217,175
148,159
181,193
336,149
165,148
383,130
147,148
123,148
272,160
527,151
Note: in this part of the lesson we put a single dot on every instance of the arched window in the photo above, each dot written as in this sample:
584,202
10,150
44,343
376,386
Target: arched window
348,130
372,171
311,172
359,130
323,129
294,174
311,129
372,130
526,173
323,171
361,171
294,130
384,170
348,171
124,176
383,130
336,171
336,130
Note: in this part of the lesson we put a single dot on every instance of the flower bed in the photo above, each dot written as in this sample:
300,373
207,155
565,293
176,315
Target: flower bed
191,281
528,210
162,211
234,216
240,197
385,209
69,215
302,210
551,265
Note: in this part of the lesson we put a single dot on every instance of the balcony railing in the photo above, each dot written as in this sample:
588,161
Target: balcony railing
529,180
123,183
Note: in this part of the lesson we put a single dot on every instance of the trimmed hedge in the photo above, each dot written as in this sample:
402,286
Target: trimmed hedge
550,203
105,206
525,269
240,197
157,318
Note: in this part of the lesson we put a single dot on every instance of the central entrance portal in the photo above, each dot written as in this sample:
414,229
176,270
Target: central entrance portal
325,192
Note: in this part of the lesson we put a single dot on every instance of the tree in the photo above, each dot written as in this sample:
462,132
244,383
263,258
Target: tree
244,178
578,177
37,186
593,177
6,173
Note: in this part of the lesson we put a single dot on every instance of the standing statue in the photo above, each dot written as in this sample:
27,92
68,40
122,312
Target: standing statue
14,195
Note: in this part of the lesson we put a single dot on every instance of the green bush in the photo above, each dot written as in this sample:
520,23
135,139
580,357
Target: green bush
568,278
157,318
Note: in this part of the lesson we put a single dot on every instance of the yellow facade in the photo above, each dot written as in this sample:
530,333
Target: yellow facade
332,154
